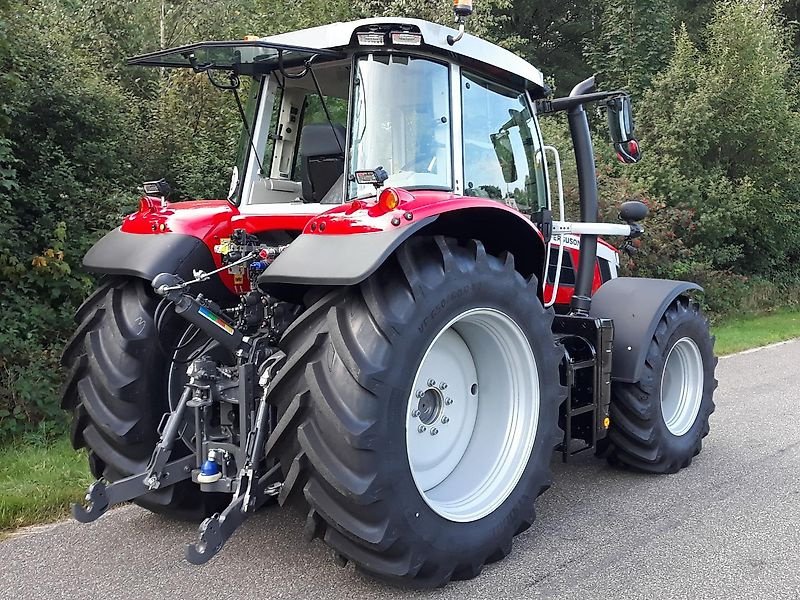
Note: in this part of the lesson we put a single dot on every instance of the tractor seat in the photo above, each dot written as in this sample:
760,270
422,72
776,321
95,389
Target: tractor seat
321,159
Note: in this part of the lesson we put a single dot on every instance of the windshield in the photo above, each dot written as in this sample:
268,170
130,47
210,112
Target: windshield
401,122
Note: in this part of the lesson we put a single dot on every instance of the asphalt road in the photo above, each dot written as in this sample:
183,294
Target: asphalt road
727,527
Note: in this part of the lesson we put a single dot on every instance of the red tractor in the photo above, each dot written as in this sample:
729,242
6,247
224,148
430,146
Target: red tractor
383,322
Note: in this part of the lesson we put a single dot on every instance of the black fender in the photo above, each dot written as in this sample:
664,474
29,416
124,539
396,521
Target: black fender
636,305
146,255
348,259
335,259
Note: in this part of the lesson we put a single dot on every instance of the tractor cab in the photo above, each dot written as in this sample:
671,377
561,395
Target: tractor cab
327,103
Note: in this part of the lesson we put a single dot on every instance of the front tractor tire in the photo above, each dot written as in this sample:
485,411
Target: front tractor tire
418,413
658,424
117,391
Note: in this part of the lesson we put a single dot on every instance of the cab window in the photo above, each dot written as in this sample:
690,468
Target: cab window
314,114
401,121
305,150
502,149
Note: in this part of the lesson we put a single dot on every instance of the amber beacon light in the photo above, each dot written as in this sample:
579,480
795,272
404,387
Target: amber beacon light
389,199
462,10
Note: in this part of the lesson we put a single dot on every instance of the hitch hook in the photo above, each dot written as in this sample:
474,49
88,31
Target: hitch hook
210,542
97,503
218,528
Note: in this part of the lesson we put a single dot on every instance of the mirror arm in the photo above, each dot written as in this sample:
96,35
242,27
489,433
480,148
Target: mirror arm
570,102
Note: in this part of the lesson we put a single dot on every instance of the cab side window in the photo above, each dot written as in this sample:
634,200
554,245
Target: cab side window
501,146
314,114
319,154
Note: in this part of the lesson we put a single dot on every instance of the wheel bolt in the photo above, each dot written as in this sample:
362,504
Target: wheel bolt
421,428
431,382
415,413
420,393
443,385
434,431
445,420
448,401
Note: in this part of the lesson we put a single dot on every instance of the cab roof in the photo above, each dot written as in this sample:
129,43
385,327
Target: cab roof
470,49
335,41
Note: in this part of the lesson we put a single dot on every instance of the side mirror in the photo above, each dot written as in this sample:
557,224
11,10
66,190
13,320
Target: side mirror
621,126
505,155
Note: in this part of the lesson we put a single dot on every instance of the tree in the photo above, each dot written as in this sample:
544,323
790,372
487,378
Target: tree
8,174
551,34
633,42
724,127
73,144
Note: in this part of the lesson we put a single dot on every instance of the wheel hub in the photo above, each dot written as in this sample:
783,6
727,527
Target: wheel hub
430,406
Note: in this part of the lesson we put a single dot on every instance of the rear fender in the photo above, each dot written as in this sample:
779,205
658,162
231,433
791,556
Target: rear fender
146,255
315,259
636,305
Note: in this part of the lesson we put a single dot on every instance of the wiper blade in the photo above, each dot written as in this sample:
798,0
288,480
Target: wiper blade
325,107
233,86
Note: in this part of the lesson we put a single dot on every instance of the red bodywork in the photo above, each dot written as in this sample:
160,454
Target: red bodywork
214,220
565,292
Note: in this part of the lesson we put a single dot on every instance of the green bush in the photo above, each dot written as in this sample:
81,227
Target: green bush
66,155
724,130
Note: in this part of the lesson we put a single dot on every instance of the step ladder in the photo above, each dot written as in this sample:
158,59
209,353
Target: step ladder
586,373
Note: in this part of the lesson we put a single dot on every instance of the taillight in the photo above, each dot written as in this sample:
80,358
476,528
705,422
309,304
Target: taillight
389,199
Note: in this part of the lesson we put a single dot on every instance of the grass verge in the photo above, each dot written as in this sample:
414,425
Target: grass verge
752,331
38,480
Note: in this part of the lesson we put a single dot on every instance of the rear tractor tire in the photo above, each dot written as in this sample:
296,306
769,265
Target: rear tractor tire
658,424
418,413
117,391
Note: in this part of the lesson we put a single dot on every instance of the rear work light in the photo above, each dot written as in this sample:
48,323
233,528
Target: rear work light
403,38
158,188
371,38
374,177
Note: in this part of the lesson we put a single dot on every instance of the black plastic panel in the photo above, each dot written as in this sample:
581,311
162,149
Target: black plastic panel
336,259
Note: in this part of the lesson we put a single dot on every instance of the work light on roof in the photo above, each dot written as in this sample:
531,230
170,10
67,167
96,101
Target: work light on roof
405,38
371,38
397,38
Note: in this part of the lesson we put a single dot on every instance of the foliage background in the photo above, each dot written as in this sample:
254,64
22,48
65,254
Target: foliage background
715,83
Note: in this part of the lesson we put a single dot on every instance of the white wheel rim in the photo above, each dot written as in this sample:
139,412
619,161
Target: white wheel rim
682,386
472,415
